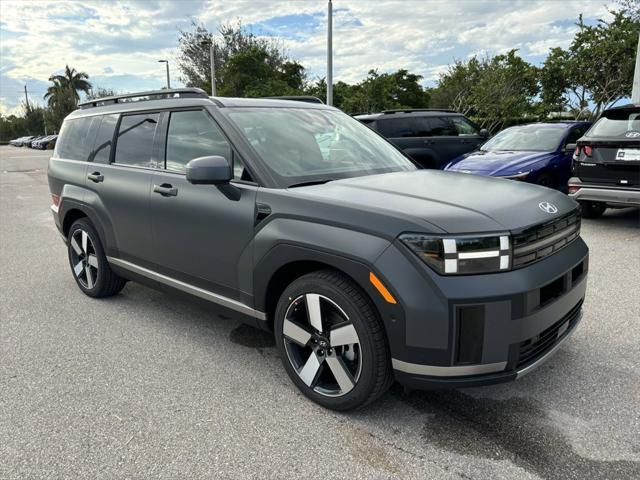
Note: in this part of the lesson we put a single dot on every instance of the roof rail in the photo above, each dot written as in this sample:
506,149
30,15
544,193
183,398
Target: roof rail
409,110
158,94
298,98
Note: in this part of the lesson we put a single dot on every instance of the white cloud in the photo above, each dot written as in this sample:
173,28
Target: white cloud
118,43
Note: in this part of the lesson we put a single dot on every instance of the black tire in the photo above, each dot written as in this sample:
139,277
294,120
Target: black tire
592,209
88,262
339,295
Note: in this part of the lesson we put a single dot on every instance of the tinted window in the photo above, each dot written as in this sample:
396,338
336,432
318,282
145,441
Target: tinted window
442,127
135,139
104,138
576,133
76,138
402,127
463,126
193,134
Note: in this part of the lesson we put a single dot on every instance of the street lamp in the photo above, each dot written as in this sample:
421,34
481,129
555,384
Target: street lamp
167,64
212,56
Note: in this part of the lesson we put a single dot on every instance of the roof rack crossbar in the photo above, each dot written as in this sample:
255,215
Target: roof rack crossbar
409,110
166,93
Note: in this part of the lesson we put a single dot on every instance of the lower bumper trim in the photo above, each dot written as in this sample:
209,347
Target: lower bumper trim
608,195
448,371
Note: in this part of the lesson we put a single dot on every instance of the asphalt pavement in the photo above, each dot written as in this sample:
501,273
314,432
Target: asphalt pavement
149,385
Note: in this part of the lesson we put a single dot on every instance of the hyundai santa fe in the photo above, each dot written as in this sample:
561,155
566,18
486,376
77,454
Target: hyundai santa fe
307,223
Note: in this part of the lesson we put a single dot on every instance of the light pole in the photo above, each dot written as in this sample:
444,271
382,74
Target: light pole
166,62
329,53
212,56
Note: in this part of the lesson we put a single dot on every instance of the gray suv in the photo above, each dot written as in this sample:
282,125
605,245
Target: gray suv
306,223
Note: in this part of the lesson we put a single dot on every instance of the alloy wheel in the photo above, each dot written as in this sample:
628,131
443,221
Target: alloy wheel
322,345
84,259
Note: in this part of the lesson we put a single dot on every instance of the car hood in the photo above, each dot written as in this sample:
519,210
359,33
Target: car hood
498,163
451,202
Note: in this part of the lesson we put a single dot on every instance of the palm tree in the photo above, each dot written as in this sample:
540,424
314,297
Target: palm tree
74,80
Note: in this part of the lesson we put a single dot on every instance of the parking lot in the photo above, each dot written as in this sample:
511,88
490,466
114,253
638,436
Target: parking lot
146,384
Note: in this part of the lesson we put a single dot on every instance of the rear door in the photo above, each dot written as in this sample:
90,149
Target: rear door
412,135
201,233
120,176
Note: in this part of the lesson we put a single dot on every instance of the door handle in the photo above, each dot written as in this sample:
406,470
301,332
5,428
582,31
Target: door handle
166,190
96,177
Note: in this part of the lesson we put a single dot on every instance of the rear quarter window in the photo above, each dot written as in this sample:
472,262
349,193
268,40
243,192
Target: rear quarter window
76,138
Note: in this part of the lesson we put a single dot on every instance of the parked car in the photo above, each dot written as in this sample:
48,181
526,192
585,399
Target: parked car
308,224
606,164
19,142
538,153
29,143
47,142
430,137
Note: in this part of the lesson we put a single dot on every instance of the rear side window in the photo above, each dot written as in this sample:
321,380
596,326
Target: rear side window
193,134
403,127
76,138
134,145
104,139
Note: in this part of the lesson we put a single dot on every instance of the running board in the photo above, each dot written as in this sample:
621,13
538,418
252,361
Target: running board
191,289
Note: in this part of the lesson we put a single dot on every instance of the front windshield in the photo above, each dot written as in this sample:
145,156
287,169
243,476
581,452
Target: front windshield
302,145
616,124
534,138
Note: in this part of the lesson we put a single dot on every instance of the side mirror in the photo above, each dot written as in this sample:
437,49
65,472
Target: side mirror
569,147
212,170
484,133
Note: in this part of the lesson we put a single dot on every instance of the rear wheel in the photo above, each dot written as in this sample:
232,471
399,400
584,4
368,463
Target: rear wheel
592,209
88,262
332,341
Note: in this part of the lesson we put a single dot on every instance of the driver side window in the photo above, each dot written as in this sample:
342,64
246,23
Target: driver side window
193,134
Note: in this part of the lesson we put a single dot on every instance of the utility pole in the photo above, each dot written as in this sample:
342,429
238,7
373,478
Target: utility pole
329,53
26,98
635,93
166,62
212,52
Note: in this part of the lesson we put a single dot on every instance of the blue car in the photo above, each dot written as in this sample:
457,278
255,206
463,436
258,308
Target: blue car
538,153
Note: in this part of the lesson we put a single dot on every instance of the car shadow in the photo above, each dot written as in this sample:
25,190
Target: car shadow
618,217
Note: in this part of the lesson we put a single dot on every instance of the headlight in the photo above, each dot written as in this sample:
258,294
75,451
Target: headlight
517,176
461,254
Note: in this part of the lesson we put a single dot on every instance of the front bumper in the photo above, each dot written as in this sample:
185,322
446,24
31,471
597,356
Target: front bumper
617,196
482,329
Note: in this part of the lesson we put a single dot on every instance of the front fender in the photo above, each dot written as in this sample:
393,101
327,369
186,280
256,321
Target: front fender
286,240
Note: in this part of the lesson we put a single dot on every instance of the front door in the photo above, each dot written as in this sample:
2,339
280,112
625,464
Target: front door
202,234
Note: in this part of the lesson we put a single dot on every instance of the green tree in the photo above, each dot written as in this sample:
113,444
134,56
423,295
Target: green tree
493,90
245,65
603,56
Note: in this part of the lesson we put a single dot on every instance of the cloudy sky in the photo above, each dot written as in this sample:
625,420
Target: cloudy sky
118,43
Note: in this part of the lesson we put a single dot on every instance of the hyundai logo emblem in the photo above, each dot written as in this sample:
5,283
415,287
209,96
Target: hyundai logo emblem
632,134
548,207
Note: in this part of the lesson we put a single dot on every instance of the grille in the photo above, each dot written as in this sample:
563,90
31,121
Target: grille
540,241
534,348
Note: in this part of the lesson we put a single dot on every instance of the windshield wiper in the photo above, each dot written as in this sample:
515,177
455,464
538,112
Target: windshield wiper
311,182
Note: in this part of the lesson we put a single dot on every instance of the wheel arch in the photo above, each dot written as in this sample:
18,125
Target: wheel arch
285,263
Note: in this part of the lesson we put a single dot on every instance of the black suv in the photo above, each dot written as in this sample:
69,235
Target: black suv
606,163
309,224
431,137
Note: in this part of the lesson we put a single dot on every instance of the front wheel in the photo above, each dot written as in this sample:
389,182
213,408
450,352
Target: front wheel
592,209
332,342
